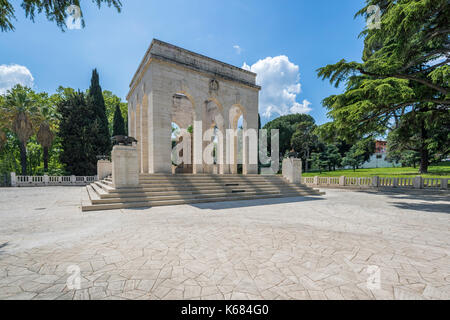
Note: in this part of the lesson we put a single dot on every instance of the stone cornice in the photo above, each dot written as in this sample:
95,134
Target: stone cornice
152,57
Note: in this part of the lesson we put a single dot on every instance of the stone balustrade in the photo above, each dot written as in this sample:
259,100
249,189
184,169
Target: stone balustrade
378,182
45,180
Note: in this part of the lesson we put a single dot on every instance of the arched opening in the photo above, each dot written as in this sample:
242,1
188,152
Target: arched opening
182,118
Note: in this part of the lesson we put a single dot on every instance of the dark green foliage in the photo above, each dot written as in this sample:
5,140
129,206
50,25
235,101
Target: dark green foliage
404,70
54,10
119,123
95,100
287,126
423,134
359,153
304,140
77,133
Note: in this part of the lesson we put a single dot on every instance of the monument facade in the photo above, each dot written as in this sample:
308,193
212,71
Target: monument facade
174,85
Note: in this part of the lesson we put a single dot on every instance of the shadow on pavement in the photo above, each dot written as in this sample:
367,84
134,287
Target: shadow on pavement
2,246
432,199
252,203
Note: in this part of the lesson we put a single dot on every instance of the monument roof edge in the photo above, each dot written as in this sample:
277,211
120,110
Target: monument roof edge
160,42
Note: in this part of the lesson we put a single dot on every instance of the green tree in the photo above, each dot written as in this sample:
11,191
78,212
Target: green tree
304,140
404,69
333,157
3,139
102,145
18,111
119,123
45,134
359,153
422,134
54,10
77,135
287,126
111,101
319,161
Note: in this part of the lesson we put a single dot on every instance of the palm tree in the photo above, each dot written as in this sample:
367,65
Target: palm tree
2,139
45,134
19,109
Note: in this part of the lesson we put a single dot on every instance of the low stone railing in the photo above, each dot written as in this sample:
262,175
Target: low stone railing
378,182
38,181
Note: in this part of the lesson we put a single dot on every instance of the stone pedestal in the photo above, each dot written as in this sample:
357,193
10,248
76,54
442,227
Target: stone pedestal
292,170
418,183
125,168
104,169
13,179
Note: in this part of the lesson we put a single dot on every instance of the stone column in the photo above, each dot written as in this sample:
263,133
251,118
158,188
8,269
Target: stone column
144,135
159,131
418,183
376,182
130,117
250,142
197,136
444,184
342,181
224,167
138,133
125,170
13,179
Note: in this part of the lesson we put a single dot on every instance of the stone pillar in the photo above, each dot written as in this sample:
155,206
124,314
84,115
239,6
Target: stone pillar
224,167
292,170
73,179
13,179
125,169
342,181
104,169
376,182
395,183
144,135
46,179
418,183
160,131
316,180
444,184
130,117
250,142
138,133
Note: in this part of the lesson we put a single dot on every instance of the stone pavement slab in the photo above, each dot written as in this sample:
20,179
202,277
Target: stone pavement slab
345,245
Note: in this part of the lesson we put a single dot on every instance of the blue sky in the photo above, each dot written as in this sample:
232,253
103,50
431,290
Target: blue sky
296,37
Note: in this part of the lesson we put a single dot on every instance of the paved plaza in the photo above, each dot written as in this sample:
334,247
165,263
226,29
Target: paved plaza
345,245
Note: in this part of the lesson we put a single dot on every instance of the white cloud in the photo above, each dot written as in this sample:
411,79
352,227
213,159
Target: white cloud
13,74
237,48
280,82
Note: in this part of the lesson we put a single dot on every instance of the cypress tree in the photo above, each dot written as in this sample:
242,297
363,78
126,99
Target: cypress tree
119,123
77,134
102,144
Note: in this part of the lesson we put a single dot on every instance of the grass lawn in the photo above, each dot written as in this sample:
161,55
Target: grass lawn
441,170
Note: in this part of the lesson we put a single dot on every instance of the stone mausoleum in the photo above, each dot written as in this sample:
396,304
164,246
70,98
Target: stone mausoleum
174,85
210,102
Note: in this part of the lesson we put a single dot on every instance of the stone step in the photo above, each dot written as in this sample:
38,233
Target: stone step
129,205
106,191
229,196
190,191
164,189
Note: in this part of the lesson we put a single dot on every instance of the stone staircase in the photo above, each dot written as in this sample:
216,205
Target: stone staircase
163,190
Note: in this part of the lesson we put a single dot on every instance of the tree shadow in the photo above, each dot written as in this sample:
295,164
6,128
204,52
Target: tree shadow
253,203
3,245
432,199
